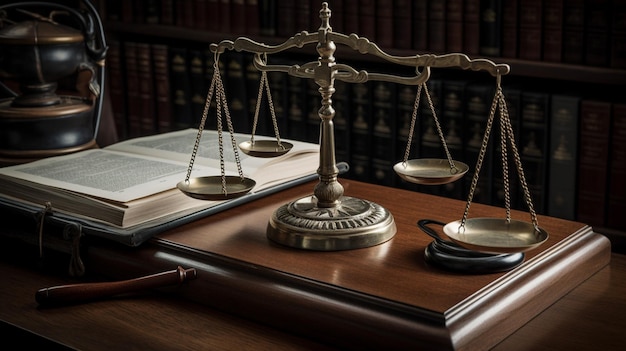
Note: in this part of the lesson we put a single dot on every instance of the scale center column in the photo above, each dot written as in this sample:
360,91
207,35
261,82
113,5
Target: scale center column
328,220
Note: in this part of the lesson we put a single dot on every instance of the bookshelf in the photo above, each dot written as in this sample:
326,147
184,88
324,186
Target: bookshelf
537,84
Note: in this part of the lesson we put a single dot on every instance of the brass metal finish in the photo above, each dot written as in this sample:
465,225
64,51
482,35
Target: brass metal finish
495,235
430,171
216,188
265,148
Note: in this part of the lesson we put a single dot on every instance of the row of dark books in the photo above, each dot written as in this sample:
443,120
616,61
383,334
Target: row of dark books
572,147
586,32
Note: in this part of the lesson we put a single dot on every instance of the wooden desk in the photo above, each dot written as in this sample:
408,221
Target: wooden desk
243,273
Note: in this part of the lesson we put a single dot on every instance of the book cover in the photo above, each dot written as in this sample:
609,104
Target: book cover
168,16
313,104
285,18
618,35
235,86
199,87
565,111
530,30
296,108
252,20
350,17
617,169
200,14
595,123
225,14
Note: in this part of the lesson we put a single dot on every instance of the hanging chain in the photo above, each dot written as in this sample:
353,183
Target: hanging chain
504,154
518,163
205,113
453,168
481,157
264,85
412,126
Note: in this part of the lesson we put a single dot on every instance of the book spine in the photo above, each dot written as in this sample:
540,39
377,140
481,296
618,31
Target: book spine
419,25
238,17
452,119
595,122
253,78
617,166
200,12
312,106
212,15
361,126
384,21
401,22
471,27
534,146
510,21
490,27
253,26
618,35
553,30
437,26
513,98
168,16
597,21
296,120
454,25
132,89
236,92
565,111
198,88
351,17
285,18
267,17
146,89
367,19
383,133
225,12
337,21
343,111
430,144
278,86
162,88
152,13
303,17
530,29
180,86
477,104
573,31
116,87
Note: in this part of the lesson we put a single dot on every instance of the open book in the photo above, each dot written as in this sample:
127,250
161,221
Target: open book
134,181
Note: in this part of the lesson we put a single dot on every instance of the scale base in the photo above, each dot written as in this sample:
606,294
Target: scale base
352,224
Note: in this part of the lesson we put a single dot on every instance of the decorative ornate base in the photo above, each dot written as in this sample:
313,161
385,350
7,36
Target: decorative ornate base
352,224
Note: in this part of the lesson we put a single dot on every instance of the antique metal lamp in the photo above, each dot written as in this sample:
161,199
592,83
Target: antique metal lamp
36,52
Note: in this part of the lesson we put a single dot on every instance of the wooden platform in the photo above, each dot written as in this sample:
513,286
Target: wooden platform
385,296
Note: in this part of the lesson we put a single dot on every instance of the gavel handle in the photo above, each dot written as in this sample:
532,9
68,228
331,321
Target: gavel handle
76,293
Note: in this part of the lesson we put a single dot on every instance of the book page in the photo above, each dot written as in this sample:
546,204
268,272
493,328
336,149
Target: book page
106,174
179,145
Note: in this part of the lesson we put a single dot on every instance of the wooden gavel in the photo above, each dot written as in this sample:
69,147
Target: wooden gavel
83,292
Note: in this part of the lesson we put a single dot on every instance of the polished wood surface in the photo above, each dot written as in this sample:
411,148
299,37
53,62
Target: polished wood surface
385,293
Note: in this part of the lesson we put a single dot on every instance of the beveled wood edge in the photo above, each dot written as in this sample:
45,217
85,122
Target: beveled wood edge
505,305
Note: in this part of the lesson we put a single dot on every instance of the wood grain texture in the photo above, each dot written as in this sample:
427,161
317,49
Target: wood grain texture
379,296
